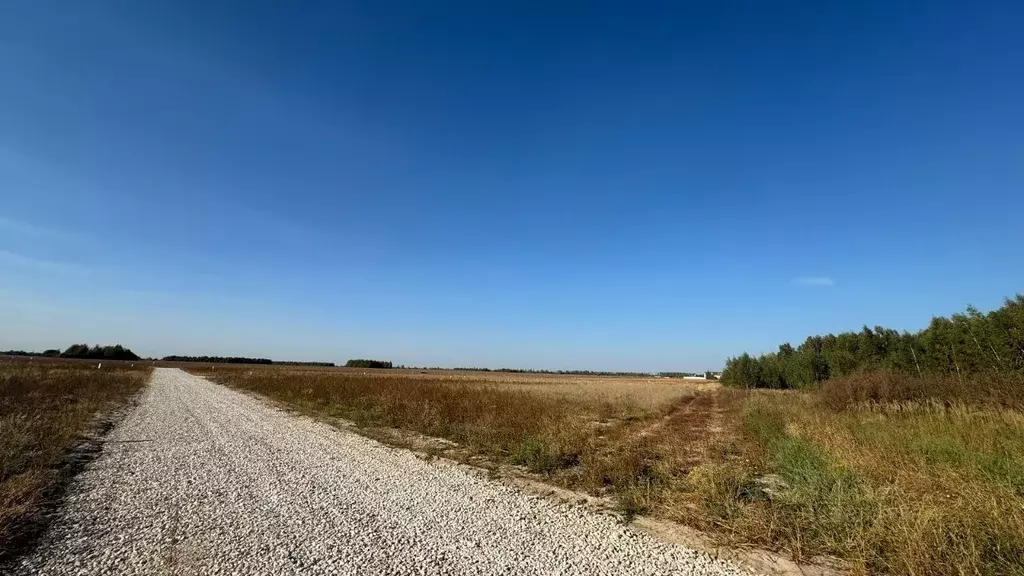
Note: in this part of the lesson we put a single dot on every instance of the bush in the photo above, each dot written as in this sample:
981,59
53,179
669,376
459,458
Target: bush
880,387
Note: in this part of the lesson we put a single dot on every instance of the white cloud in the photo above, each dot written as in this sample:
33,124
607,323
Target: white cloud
812,281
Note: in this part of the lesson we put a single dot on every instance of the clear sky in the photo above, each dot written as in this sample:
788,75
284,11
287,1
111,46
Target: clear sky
636,186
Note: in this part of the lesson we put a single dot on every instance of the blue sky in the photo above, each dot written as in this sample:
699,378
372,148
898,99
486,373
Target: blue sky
636,186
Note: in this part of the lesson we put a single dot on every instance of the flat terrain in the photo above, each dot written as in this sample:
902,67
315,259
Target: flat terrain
203,479
649,393
876,473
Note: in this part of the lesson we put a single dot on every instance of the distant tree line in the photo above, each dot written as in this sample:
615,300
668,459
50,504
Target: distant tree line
218,359
116,352
365,363
240,360
540,371
563,372
52,353
964,344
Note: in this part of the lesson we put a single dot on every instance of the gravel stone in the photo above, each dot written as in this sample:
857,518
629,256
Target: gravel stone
201,479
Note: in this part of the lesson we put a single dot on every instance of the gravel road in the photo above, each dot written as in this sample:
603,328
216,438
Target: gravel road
200,479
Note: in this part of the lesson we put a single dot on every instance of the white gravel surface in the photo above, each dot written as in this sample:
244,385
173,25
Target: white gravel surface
200,479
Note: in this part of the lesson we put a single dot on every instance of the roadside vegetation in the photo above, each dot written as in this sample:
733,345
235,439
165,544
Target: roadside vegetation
892,486
874,450
48,408
902,452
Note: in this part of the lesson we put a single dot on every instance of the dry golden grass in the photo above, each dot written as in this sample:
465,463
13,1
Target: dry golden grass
913,486
45,408
898,488
584,432
993,389
645,394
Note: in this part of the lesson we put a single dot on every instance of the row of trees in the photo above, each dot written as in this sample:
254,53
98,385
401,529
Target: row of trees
539,371
54,353
218,359
240,360
563,372
707,374
963,344
116,352
365,363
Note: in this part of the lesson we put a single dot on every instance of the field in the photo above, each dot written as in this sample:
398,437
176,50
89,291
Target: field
601,434
875,473
902,484
48,410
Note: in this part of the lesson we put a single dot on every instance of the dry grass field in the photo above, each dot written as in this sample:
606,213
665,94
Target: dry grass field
47,408
586,432
871,471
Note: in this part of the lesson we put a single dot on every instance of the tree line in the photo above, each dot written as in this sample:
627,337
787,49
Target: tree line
366,363
541,371
52,353
218,359
240,360
708,375
962,345
95,352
